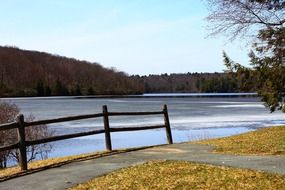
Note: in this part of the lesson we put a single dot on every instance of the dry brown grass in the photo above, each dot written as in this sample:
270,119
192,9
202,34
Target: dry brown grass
44,164
161,175
40,165
266,141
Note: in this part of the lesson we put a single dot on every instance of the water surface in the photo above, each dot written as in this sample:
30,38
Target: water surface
191,118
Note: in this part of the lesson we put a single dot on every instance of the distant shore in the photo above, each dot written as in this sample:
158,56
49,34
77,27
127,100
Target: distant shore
148,95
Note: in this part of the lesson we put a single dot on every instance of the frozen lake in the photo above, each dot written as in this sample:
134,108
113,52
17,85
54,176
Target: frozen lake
191,118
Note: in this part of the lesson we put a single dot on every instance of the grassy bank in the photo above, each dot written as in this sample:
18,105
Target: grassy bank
160,175
187,175
266,141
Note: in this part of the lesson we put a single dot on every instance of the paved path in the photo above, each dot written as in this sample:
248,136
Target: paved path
77,172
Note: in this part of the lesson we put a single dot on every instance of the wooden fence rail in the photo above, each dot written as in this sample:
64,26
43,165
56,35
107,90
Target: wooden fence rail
22,143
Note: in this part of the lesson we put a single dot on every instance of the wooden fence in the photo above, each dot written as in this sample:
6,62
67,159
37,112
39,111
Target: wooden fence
22,143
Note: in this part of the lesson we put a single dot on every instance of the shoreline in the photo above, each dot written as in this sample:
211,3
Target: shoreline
146,95
121,140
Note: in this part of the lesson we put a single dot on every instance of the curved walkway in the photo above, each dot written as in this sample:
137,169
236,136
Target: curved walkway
78,172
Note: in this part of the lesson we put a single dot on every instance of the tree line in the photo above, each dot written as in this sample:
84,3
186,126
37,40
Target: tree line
191,83
31,73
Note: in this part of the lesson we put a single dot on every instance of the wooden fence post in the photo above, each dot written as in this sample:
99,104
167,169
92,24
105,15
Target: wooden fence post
22,142
167,125
107,128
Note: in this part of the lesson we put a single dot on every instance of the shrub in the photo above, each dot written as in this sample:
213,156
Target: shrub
8,113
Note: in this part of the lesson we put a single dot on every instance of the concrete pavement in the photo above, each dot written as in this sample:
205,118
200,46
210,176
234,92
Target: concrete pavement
77,172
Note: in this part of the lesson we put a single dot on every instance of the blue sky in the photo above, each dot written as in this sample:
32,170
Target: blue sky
135,36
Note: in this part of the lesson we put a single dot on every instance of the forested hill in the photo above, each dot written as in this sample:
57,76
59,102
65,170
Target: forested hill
32,73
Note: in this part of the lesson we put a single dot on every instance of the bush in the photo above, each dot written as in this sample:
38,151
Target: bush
8,113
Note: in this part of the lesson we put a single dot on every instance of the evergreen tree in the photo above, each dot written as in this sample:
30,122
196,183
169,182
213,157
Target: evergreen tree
77,90
60,89
265,20
40,88
90,91
47,90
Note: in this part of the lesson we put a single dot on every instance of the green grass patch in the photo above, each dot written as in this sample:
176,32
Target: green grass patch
266,141
160,175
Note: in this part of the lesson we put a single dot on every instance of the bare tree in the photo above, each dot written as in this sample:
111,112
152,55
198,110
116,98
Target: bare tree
239,18
265,21
8,113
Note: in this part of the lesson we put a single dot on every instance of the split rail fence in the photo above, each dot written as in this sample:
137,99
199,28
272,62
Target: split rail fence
20,124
